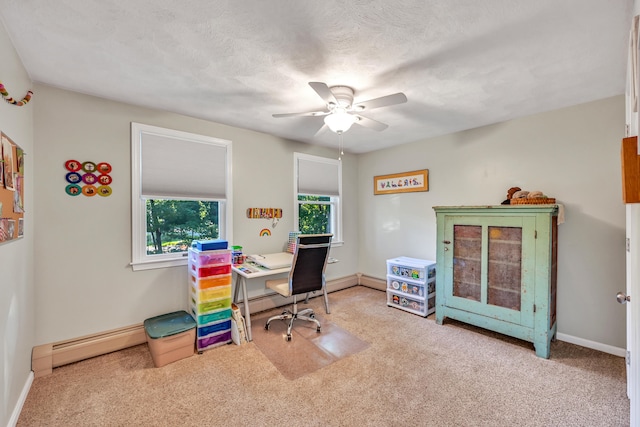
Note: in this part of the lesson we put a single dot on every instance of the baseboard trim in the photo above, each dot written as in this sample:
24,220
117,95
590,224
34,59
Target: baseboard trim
373,282
616,351
13,421
48,356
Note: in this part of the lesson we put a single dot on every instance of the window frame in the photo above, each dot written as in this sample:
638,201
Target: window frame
140,260
335,201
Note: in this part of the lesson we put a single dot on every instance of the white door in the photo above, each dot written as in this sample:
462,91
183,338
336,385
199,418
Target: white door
632,290
633,310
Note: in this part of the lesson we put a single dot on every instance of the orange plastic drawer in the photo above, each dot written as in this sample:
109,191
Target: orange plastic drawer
210,282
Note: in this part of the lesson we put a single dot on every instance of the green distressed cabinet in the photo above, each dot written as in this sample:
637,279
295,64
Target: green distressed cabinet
497,269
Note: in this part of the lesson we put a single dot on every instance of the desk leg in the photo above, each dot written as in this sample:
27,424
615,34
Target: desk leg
241,281
326,300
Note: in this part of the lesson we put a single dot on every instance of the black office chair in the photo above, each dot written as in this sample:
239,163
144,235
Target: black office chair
306,275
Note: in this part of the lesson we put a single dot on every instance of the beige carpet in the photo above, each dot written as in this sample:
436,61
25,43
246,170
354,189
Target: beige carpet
308,350
413,373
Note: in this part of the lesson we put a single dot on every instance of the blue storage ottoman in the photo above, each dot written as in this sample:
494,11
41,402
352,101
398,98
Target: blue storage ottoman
171,337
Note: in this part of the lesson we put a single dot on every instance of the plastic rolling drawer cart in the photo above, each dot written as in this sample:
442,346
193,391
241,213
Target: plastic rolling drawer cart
210,296
497,268
411,285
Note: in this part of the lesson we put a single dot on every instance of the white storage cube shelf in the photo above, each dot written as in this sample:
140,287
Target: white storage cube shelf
411,285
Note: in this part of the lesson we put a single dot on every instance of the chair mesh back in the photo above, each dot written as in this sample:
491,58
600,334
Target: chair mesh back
310,261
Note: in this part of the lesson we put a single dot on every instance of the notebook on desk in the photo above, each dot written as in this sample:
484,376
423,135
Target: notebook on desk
273,261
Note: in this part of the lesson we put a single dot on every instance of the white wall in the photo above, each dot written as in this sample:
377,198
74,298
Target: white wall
572,154
17,321
83,251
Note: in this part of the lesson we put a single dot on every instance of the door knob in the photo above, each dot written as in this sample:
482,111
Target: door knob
622,297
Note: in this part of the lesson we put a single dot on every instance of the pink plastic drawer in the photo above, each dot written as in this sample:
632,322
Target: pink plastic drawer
201,258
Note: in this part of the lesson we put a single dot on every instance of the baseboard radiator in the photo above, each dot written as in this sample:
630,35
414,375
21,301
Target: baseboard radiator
48,356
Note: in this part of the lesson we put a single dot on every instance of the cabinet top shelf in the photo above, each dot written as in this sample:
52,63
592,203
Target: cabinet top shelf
551,208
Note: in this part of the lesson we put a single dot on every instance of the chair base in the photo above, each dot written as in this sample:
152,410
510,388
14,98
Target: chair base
306,314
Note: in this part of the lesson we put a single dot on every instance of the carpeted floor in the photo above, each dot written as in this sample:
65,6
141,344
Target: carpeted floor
411,372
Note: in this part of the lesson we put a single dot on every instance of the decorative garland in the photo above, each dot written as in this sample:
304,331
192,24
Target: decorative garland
10,100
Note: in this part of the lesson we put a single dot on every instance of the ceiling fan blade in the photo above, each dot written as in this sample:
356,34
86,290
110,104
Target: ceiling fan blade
383,101
307,114
325,93
370,123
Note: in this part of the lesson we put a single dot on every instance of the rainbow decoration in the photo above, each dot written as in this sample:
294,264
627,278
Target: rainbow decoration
265,232
10,100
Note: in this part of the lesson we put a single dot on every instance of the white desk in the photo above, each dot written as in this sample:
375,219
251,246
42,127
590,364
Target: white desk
250,270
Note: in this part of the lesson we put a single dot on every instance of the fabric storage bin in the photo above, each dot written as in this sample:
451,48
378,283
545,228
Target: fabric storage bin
170,337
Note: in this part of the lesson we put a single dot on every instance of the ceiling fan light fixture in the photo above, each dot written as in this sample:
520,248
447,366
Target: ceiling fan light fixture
340,121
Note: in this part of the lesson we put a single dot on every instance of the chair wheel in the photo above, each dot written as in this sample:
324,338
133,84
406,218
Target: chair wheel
266,327
288,337
318,329
312,315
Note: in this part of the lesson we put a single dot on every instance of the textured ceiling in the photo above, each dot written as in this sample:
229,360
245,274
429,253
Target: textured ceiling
462,64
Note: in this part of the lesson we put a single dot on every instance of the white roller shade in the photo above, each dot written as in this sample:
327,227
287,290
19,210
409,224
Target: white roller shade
318,176
176,167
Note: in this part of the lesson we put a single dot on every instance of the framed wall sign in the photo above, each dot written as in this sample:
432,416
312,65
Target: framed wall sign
405,182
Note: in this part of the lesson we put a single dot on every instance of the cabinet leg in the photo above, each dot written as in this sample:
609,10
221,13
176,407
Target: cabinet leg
542,349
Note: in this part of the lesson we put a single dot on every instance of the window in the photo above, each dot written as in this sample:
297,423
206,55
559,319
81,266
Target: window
318,190
180,193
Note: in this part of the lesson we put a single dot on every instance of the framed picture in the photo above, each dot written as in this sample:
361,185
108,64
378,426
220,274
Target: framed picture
8,162
405,182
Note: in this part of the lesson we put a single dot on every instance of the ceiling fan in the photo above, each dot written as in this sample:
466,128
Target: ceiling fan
341,112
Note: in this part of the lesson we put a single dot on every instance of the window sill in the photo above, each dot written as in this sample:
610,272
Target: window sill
164,263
